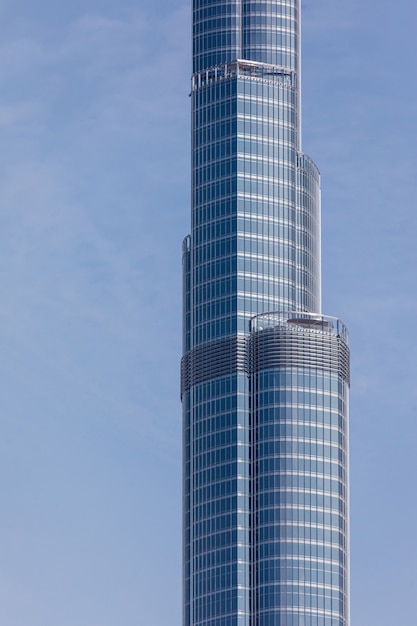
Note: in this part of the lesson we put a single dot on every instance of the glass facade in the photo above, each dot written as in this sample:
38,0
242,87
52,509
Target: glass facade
264,375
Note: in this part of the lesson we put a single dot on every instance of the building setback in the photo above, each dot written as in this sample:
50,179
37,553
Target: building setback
265,375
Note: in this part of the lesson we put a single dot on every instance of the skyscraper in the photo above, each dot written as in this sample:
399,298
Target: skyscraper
265,374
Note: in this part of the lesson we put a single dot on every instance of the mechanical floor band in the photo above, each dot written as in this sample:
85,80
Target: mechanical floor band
286,345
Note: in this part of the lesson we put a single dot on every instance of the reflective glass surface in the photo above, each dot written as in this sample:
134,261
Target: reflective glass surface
300,525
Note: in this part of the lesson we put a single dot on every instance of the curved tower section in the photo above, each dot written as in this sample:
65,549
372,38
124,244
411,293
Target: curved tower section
299,385
254,249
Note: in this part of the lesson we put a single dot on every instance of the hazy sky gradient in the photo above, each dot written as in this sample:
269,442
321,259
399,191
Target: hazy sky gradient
94,204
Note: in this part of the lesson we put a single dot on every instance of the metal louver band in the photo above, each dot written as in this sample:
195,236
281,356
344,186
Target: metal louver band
287,347
298,342
212,360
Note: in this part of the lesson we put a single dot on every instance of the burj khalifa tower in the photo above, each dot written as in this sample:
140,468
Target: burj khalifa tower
264,373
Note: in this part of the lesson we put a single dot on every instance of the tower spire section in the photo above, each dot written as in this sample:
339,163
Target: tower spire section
265,375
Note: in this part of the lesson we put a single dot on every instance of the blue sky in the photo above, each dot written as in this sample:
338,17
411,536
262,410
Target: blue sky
94,203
